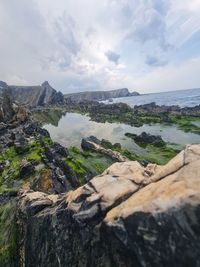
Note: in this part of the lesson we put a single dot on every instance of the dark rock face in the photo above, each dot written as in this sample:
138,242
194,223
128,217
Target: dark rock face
6,104
145,139
133,116
3,85
144,239
104,147
34,96
100,95
89,143
118,219
152,109
62,151
53,156
26,168
33,129
20,142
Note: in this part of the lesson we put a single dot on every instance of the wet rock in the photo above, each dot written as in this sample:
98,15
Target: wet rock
105,143
68,172
3,164
20,143
7,196
144,163
87,144
26,168
52,156
117,146
91,144
33,129
152,109
62,151
145,139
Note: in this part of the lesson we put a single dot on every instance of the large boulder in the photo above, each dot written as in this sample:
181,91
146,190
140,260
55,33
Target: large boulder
130,215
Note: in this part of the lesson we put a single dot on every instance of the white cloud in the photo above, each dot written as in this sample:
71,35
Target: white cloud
180,76
94,44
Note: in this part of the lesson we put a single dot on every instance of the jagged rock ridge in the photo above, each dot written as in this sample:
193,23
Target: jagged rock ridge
130,215
34,96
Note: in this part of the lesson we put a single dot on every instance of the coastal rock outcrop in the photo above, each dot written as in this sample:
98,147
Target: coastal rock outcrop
28,153
153,110
6,104
130,215
33,96
100,95
120,110
145,139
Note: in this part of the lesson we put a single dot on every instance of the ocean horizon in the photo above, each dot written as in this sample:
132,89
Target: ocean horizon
182,98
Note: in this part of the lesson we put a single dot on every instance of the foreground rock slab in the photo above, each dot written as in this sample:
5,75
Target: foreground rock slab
129,216
93,144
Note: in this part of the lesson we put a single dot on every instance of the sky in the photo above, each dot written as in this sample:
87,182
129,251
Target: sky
78,45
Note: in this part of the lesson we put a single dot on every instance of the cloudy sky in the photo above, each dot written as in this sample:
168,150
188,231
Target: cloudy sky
145,45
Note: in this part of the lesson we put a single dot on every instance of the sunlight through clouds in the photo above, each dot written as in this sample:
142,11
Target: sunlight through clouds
94,44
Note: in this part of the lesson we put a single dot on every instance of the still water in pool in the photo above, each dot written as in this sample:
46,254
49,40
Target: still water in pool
72,127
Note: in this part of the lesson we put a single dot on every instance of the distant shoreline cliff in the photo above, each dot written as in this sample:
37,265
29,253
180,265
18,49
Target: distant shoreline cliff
45,94
33,96
100,95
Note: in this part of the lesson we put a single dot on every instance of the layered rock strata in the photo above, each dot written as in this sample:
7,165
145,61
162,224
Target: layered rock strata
34,96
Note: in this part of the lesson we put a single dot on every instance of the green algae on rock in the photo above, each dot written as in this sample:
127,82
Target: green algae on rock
9,234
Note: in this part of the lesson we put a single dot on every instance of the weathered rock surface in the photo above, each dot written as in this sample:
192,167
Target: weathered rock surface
6,104
99,95
153,109
10,111
34,96
94,144
129,216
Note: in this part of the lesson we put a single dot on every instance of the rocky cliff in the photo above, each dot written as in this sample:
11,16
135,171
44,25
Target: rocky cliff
33,96
130,215
99,95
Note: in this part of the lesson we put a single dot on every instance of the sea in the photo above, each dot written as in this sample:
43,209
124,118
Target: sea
182,98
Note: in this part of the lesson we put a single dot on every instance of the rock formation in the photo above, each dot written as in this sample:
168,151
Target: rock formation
25,137
6,105
152,109
100,95
145,139
129,216
34,96
96,109
93,144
